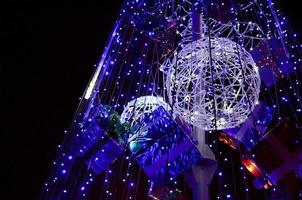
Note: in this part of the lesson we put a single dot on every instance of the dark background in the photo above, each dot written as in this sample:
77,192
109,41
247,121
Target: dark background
47,58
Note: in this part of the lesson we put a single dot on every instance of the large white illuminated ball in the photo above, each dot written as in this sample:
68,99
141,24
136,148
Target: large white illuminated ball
214,89
138,108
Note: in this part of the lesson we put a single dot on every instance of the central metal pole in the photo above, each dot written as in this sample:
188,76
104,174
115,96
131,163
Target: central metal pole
201,174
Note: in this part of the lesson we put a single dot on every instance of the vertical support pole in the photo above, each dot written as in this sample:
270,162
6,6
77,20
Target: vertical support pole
202,174
196,26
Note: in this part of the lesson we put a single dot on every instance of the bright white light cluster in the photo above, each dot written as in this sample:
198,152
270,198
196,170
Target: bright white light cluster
214,93
138,108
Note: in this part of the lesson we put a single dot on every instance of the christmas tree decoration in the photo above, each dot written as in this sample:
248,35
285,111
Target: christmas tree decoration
253,129
100,140
272,60
138,108
201,97
158,140
213,83
279,153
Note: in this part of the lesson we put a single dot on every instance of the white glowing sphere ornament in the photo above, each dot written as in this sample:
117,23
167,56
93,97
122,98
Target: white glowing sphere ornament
138,108
214,89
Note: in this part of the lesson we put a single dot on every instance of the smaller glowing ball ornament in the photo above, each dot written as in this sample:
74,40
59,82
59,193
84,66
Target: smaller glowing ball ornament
214,89
138,108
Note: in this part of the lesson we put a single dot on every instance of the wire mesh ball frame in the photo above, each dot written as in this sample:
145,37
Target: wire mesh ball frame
216,93
138,108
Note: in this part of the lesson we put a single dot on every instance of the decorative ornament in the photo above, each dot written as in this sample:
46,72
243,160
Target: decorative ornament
109,120
157,137
212,89
138,108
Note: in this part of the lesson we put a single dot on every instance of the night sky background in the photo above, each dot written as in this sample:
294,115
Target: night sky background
48,53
